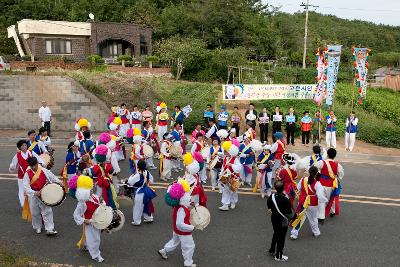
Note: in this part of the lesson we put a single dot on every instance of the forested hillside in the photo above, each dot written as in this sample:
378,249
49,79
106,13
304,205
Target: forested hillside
258,27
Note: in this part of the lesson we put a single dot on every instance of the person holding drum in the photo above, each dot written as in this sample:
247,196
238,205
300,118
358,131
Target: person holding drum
82,125
265,162
230,175
86,148
178,116
147,133
162,120
72,159
247,158
42,136
35,179
176,149
142,194
215,159
136,117
20,161
197,147
35,145
86,207
179,199
165,158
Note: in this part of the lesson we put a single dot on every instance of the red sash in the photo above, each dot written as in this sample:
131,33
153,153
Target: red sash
91,207
186,220
40,182
22,163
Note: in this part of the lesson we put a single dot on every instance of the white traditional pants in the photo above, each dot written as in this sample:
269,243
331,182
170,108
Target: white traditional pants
228,196
187,246
166,171
350,140
312,216
322,205
149,162
277,165
176,164
247,178
161,130
263,187
21,195
330,139
138,209
40,211
123,129
92,240
203,174
214,177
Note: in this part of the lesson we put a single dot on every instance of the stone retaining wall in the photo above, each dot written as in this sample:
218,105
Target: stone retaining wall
21,96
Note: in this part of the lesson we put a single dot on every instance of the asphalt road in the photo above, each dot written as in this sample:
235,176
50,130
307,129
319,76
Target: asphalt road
365,234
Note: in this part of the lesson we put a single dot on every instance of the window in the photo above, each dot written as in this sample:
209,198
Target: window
58,46
143,45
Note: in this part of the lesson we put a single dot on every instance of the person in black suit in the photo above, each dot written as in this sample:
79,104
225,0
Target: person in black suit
290,126
263,121
251,111
277,118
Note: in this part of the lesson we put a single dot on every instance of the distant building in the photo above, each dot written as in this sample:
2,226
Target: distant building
42,38
387,77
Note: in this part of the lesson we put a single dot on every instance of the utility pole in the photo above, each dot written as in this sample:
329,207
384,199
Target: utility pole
306,6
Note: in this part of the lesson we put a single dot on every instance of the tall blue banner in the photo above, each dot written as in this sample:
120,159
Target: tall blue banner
333,57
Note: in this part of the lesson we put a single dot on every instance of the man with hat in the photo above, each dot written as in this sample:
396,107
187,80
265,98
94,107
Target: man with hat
20,160
35,179
223,117
289,175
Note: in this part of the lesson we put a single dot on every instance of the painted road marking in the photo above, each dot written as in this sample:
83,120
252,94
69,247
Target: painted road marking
248,191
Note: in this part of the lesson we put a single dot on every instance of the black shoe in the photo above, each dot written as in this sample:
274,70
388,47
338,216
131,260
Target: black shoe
271,252
332,215
321,221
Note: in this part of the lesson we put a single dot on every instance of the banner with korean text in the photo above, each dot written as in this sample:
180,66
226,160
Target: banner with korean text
268,91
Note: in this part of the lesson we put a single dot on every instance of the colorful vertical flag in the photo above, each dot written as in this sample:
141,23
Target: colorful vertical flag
360,56
333,57
321,64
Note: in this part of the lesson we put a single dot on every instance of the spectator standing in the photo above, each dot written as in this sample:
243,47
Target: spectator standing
251,116
45,116
223,117
277,118
351,130
330,134
317,124
282,213
290,126
208,115
263,120
306,124
236,118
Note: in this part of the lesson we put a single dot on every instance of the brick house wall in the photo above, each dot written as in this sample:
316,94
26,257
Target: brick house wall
102,31
80,47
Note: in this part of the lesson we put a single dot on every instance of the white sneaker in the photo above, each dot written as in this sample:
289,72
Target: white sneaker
51,232
293,237
163,254
153,167
148,220
38,231
224,208
99,259
263,195
220,191
135,224
191,265
284,258
233,206
213,188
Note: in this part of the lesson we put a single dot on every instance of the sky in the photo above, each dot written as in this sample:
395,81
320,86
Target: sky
377,11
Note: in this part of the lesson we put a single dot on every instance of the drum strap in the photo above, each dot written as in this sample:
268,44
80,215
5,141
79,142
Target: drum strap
36,175
215,152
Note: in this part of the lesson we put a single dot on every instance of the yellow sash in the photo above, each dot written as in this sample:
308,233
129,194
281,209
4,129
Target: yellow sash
215,152
32,146
177,114
300,217
26,211
331,174
255,187
314,158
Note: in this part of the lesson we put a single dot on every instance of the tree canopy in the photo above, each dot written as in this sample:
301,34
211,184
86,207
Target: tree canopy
252,24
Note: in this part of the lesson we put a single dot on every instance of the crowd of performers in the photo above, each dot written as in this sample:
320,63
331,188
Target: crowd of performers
218,156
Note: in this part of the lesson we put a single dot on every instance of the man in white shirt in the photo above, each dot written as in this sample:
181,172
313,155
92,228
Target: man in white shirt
45,116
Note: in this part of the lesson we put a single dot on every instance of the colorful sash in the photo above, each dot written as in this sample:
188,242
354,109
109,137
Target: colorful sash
32,146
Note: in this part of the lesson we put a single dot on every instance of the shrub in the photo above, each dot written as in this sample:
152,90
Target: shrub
95,59
67,59
153,59
129,64
126,58
26,58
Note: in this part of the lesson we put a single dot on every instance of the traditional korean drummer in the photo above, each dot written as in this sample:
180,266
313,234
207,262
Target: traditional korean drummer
87,205
35,178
